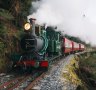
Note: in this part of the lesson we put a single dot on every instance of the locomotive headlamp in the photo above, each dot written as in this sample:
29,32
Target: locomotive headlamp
27,26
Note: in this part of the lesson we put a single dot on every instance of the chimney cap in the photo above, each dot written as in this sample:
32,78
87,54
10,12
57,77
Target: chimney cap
32,19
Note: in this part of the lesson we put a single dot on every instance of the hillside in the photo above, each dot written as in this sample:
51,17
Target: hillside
12,18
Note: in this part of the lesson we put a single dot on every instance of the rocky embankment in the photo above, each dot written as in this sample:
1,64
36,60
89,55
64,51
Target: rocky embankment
62,76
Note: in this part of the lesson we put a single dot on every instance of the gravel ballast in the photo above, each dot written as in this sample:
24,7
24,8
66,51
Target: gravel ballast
53,79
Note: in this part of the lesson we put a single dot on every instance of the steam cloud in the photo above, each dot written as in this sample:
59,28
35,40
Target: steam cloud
74,17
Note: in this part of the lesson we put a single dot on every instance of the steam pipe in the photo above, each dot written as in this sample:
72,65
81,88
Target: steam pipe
32,21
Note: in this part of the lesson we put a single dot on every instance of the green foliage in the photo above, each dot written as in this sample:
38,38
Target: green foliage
3,30
20,14
5,4
20,33
2,46
25,7
89,62
5,14
88,70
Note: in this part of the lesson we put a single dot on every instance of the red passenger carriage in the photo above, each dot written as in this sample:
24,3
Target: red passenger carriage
75,46
67,45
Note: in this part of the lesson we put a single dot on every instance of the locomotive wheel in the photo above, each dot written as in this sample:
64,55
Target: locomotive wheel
15,68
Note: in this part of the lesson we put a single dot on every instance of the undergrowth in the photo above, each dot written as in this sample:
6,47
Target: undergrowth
88,70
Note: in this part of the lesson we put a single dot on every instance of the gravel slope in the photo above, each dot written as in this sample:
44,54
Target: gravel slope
54,80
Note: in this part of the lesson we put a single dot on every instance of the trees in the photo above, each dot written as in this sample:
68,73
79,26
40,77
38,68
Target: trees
20,9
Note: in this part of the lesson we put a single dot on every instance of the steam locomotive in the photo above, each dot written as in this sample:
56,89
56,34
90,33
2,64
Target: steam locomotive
41,46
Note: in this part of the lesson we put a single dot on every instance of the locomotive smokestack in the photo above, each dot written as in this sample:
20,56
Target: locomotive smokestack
32,21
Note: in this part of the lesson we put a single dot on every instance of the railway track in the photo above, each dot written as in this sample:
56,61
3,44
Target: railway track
23,82
10,82
31,85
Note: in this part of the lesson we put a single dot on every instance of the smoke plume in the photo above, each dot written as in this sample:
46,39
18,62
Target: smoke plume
73,17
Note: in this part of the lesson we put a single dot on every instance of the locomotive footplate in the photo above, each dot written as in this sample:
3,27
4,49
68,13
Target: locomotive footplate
33,63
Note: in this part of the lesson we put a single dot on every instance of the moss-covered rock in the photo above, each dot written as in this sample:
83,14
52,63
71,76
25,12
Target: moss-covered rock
71,73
